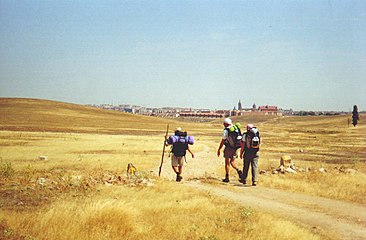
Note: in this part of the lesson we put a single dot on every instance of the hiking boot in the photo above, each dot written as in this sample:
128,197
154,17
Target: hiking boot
240,173
243,181
226,179
178,178
254,183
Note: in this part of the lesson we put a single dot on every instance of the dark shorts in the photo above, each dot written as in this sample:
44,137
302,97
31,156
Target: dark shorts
230,152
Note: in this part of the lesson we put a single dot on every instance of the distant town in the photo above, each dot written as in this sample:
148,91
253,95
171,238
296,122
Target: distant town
239,110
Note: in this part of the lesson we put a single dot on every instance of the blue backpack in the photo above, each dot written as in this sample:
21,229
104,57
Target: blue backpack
180,143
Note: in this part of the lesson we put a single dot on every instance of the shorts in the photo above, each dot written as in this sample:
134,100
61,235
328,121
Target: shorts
230,153
177,161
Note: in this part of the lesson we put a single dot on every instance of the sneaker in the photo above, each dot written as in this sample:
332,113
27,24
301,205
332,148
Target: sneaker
226,180
254,184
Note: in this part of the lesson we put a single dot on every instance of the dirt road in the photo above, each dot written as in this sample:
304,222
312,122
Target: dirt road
335,219
327,217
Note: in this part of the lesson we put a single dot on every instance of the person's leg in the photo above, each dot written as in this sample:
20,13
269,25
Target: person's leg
175,169
174,163
227,169
233,164
180,164
245,170
254,164
175,166
180,169
230,155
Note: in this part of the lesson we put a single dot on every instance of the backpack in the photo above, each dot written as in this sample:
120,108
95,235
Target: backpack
253,140
234,136
180,143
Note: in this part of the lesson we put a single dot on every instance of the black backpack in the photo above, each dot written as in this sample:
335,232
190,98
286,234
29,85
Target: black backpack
181,145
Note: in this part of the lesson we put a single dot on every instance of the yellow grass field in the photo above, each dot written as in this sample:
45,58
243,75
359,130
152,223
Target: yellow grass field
81,191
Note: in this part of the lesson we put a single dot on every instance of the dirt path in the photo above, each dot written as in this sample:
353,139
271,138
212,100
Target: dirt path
335,219
204,163
327,217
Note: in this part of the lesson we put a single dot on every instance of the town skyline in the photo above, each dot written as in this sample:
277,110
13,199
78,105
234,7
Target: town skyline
215,113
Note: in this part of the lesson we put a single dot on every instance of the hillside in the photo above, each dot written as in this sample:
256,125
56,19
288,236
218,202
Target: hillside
21,114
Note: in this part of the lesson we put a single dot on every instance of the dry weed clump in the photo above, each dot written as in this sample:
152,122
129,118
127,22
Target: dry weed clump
78,218
6,232
6,169
270,227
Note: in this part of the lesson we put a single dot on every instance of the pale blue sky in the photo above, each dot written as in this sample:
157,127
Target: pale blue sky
305,55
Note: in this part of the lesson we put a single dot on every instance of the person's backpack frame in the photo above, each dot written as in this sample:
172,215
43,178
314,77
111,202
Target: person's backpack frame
253,139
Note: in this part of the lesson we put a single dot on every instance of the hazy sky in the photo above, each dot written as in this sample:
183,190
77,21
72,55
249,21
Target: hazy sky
305,55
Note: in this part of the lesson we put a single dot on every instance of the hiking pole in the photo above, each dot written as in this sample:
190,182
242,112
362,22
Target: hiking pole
162,155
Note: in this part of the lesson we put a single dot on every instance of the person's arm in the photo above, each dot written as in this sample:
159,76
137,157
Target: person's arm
189,150
225,135
241,149
221,145
242,144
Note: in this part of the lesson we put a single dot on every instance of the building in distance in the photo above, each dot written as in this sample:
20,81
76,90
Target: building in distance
175,112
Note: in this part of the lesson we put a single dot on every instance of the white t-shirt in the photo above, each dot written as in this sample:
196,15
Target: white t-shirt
225,133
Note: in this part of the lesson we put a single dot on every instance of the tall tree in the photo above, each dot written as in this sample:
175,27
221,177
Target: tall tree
355,116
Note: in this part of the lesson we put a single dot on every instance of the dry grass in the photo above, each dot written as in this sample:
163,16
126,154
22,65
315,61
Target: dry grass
326,142
323,139
86,146
78,151
158,212
20,114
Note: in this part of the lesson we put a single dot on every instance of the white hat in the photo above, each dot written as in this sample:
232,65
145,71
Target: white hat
228,121
249,126
179,129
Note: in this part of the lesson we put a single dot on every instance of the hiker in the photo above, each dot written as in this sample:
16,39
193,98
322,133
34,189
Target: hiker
250,148
180,144
231,139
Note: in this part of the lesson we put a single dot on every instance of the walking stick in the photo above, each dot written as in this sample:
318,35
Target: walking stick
162,155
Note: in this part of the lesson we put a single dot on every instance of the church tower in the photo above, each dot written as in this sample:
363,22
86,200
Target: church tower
240,108
254,107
